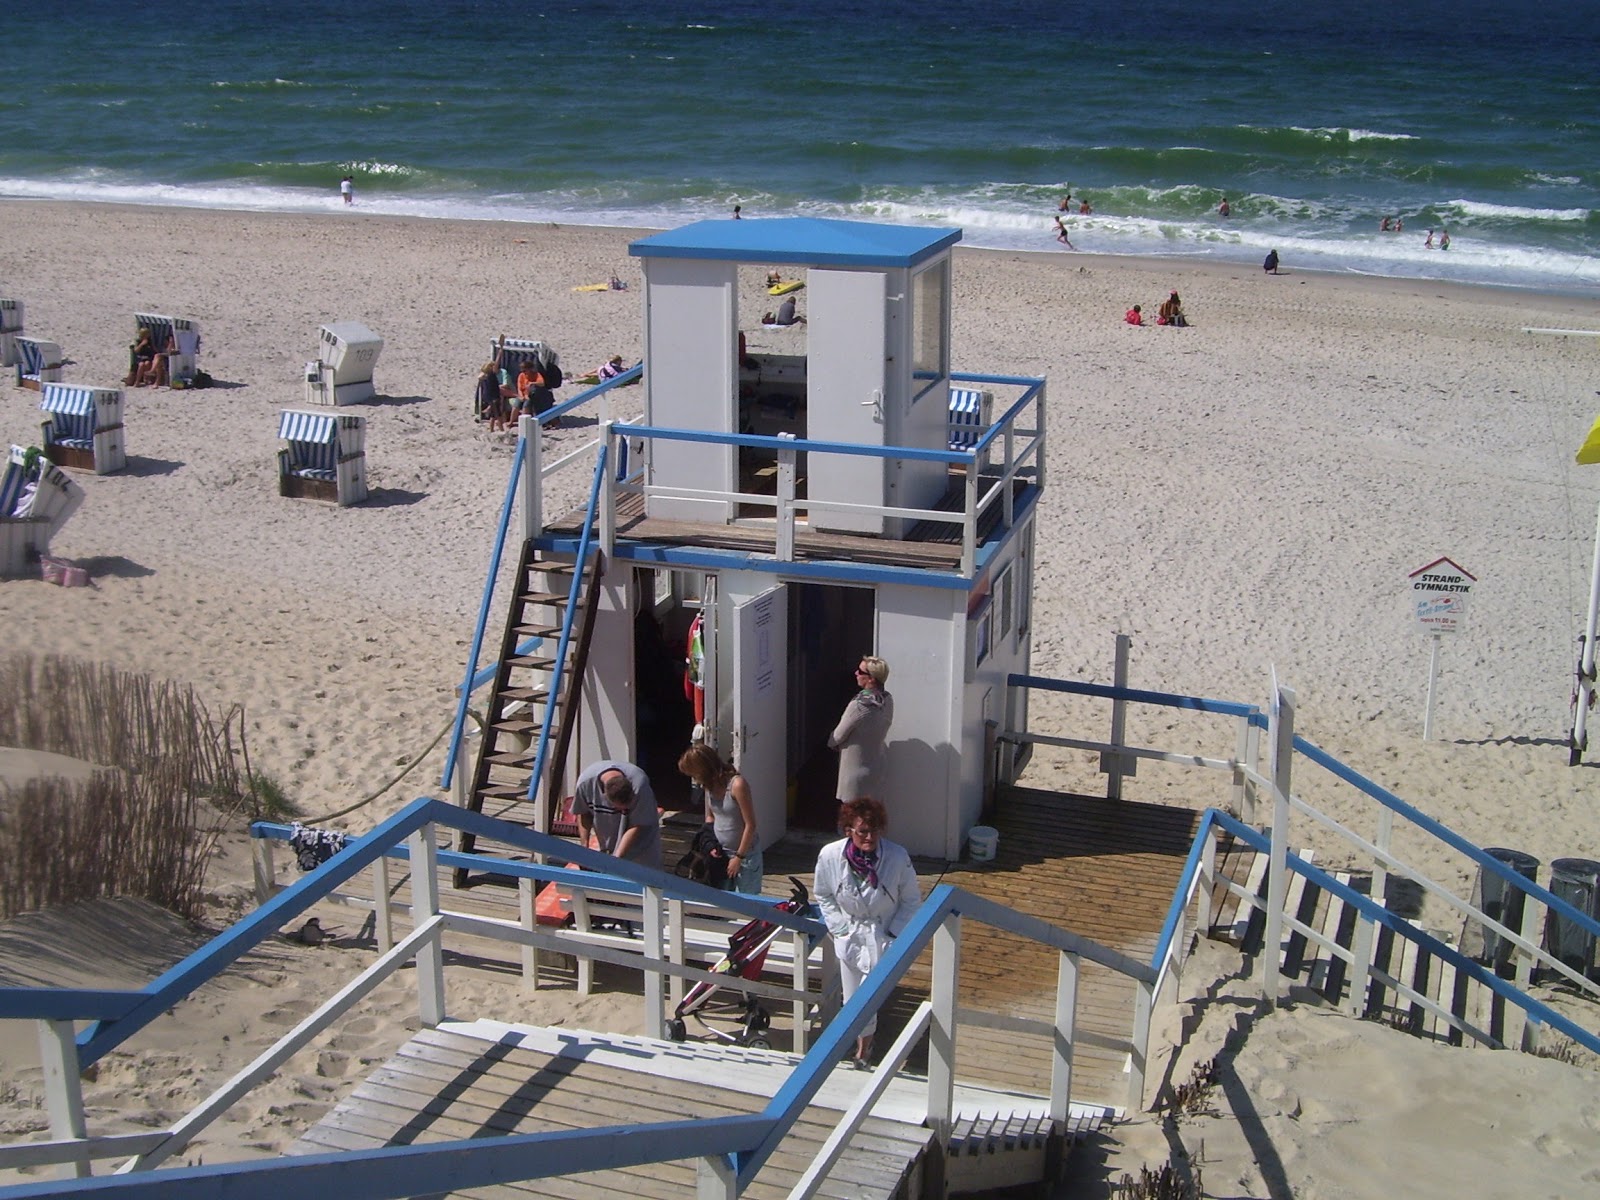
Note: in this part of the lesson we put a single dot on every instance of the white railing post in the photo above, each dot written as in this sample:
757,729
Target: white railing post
675,950
969,526
528,918
1139,1055
1282,745
608,493
63,1090
800,976
1208,881
942,1029
262,867
1241,752
655,943
532,476
382,917
1038,454
715,1179
1532,922
785,499
1113,763
425,904
1252,757
582,922
1063,1037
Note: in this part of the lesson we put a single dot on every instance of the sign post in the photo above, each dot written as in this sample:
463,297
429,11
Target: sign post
1439,594
1583,693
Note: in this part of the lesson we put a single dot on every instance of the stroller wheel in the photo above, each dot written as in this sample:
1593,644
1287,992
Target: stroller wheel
676,1030
758,1043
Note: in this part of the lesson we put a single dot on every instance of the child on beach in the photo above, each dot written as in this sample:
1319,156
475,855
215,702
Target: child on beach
1134,316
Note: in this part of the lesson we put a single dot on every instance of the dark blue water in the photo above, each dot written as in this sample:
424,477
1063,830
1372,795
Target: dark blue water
1313,121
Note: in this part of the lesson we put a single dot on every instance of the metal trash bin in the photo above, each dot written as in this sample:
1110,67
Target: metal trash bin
1499,899
1577,881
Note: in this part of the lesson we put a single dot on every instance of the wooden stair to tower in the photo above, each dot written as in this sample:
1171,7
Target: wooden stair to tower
528,679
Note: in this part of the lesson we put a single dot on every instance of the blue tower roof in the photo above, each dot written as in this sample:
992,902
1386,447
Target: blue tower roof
814,240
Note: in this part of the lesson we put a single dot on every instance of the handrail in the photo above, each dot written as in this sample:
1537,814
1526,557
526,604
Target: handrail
482,622
1378,914
507,506
585,549
1231,708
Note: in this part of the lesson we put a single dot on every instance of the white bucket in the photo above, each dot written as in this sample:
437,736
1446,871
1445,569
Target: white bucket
982,841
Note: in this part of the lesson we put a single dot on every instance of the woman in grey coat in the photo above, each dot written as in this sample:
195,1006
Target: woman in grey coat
862,732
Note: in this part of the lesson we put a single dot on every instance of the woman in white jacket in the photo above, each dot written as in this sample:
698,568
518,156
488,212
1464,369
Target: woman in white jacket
867,890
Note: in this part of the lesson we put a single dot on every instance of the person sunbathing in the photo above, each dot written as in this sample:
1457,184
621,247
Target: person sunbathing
148,364
609,369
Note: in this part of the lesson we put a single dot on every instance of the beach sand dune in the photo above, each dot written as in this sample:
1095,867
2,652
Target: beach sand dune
1244,496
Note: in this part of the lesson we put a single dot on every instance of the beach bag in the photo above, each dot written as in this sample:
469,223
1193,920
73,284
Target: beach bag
706,862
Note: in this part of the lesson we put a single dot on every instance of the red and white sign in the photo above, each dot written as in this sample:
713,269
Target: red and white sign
1439,594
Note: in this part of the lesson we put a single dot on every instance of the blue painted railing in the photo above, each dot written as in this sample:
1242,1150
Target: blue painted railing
742,1143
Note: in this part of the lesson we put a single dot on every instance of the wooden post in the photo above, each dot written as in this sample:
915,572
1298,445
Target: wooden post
785,499
261,865
63,1090
1579,741
582,922
532,476
1282,744
425,904
942,1029
1119,721
655,944
715,1179
382,918
1208,882
528,918
1139,1058
800,977
675,949
608,492
1433,688
1532,922
1065,1029
1252,756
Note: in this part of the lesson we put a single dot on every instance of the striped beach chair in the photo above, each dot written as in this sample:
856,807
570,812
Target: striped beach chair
82,427
323,457
971,412
34,504
10,327
176,337
510,353
38,362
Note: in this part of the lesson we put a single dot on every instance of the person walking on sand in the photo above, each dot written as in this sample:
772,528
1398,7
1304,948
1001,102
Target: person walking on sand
862,732
1061,235
347,189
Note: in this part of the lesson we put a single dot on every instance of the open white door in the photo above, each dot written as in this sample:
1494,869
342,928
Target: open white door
846,351
761,704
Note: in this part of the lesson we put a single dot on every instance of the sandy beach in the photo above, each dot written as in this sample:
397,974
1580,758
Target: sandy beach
1242,497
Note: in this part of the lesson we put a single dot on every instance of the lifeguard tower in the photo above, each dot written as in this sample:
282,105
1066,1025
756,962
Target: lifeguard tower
775,515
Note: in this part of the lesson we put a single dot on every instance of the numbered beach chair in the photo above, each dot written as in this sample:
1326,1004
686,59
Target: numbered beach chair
176,337
10,327
342,373
38,362
82,427
323,457
971,413
36,499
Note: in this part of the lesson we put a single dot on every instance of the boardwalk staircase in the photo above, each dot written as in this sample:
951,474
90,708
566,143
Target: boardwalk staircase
1313,969
485,1078
534,697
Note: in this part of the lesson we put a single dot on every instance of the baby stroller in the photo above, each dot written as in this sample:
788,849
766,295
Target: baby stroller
747,954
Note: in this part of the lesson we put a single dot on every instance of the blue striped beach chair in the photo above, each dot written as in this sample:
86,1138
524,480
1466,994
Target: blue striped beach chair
323,457
10,327
38,362
82,427
971,412
510,353
34,504
176,337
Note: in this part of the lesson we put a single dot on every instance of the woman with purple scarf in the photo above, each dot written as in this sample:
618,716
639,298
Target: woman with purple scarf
867,890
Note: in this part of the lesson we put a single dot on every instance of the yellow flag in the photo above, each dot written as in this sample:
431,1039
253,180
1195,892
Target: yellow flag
1589,452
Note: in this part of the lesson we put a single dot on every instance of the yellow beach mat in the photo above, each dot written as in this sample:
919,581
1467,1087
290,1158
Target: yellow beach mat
784,288
1589,452
592,287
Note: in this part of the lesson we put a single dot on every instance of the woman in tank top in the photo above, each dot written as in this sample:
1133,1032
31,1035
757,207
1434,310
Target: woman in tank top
731,812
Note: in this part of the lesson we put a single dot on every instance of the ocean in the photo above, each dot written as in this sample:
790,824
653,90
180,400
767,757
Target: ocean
1313,121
